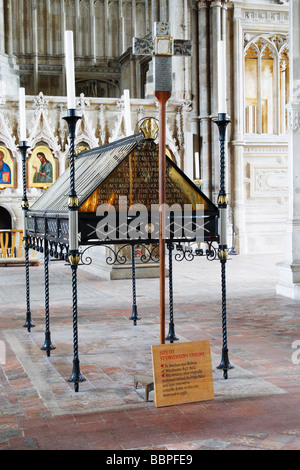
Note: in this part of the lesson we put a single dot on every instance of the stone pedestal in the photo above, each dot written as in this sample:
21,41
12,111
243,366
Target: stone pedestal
105,265
289,284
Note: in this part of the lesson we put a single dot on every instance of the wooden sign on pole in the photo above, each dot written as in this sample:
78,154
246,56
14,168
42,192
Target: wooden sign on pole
182,373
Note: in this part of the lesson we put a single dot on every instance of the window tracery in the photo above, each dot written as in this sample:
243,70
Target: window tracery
266,83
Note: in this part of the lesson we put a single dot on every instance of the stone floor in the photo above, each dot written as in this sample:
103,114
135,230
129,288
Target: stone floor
256,408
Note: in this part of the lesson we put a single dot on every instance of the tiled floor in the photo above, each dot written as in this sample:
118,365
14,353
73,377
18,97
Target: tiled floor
256,408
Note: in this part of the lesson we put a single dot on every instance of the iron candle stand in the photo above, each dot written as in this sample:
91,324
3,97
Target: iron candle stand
222,124
73,256
134,317
23,149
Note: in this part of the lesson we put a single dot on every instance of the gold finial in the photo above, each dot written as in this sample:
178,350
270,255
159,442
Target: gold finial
222,199
223,255
74,260
73,201
149,128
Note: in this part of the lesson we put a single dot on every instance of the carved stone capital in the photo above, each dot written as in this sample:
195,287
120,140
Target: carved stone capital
294,117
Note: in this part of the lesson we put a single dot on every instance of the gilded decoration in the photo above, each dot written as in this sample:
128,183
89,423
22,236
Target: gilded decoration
149,128
137,178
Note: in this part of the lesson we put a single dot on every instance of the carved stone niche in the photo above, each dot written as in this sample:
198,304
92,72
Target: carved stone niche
268,181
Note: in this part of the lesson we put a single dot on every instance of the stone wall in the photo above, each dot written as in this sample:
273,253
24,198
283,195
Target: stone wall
103,121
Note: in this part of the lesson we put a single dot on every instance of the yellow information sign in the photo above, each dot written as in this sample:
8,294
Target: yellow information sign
182,373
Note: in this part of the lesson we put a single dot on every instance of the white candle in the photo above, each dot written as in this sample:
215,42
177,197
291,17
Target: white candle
127,113
221,77
70,75
197,168
22,114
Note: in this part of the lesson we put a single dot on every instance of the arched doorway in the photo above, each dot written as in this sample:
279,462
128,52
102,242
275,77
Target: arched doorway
5,224
5,219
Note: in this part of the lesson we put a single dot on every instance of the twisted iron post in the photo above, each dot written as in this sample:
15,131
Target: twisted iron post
222,123
25,206
48,346
171,334
134,317
73,255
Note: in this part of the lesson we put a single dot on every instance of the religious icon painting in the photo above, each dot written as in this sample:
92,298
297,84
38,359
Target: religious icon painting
41,168
7,169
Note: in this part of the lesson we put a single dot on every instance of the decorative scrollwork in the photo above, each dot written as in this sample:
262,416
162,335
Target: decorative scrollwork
211,252
187,252
117,257
183,252
147,253
150,254
85,260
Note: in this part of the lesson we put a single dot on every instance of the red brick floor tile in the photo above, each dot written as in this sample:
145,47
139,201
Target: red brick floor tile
107,413
88,418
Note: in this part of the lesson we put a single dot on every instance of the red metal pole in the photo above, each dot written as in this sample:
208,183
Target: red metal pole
162,98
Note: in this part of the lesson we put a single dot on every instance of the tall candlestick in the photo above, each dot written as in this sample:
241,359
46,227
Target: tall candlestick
221,78
22,114
70,75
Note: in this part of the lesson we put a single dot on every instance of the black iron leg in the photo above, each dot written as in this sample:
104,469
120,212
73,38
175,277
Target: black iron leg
48,346
134,317
171,335
76,376
28,324
224,364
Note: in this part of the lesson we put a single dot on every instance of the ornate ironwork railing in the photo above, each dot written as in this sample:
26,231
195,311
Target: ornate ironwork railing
145,253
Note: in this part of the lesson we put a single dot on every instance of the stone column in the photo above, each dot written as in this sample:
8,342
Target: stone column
127,27
237,198
49,45
194,67
2,30
35,35
204,96
176,18
93,30
155,15
9,71
215,36
289,284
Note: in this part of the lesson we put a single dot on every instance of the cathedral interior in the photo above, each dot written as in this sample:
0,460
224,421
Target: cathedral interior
114,92
229,72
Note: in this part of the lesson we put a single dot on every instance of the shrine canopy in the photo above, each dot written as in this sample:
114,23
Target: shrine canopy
117,187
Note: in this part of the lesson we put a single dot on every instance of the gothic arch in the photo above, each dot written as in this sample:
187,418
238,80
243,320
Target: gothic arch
266,90
6,209
5,219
